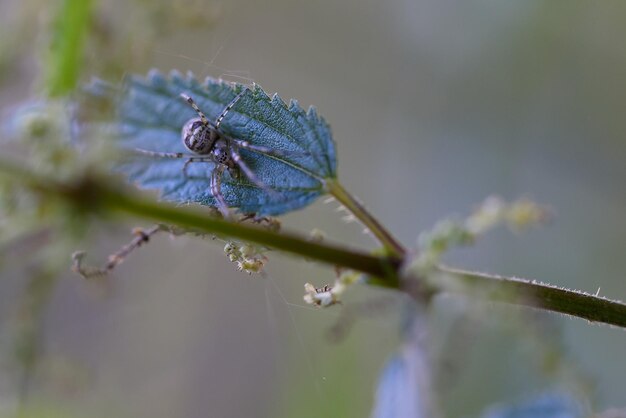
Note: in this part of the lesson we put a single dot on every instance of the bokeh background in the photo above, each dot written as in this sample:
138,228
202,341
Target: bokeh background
434,105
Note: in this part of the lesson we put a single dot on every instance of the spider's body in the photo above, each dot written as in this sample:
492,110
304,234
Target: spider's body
207,140
198,137
209,144
202,137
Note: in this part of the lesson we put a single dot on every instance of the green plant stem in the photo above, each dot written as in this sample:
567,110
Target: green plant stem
292,243
101,198
490,287
71,27
537,295
95,195
392,245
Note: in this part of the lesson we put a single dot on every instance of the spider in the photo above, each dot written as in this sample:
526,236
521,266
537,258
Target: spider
210,144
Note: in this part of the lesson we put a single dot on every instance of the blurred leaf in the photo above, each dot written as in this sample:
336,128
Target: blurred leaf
152,113
68,37
397,394
404,388
549,405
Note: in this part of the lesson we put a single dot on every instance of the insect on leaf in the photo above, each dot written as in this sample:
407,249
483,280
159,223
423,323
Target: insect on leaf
151,114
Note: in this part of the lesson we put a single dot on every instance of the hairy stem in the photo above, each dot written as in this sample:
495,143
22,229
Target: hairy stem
292,243
537,295
476,285
99,197
392,245
93,194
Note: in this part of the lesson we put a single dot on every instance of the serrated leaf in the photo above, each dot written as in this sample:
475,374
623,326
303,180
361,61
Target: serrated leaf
548,405
152,113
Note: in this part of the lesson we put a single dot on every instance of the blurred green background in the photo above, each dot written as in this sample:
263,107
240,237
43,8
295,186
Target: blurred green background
434,105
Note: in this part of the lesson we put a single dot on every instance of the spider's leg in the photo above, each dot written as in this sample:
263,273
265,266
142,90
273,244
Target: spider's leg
216,190
234,154
177,155
160,154
186,166
236,157
174,155
219,119
269,151
193,104
194,160
258,148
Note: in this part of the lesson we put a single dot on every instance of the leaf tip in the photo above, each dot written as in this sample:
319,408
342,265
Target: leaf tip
294,106
277,100
156,78
312,113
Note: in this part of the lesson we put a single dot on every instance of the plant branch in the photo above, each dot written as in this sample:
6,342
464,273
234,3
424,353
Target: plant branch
392,245
196,220
97,195
534,294
100,197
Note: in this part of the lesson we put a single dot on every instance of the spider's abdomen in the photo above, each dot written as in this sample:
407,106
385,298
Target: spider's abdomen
198,137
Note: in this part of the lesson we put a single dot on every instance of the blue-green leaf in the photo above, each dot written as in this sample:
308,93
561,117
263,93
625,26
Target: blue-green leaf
152,113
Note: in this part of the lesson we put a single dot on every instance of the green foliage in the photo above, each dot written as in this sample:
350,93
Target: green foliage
151,114
64,63
450,233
